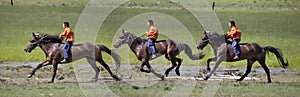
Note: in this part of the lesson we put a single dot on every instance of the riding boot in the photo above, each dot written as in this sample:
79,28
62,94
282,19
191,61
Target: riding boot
236,57
153,55
64,61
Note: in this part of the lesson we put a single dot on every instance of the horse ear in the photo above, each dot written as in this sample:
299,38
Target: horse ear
204,32
123,31
33,34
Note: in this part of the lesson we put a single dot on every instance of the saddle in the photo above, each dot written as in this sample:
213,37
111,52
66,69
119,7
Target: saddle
145,42
238,46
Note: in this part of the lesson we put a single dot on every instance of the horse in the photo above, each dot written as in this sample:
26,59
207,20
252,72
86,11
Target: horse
168,47
52,47
250,51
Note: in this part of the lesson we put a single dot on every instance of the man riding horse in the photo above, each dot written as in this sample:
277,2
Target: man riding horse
235,34
69,35
152,35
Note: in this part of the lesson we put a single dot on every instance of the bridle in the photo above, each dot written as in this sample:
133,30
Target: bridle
38,42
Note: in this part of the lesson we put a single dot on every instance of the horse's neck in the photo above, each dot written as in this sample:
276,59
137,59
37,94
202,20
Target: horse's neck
48,47
218,45
134,43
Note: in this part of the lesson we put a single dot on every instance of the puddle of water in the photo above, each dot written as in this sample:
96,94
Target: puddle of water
160,68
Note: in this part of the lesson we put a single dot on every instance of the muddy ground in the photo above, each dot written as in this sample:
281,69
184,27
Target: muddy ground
77,78
13,72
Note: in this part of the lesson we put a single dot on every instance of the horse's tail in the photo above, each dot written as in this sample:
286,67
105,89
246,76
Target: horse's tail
113,54
189,52
278,54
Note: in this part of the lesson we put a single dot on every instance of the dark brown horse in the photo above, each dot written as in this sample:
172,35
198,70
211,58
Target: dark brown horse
168,47
52,47
250,51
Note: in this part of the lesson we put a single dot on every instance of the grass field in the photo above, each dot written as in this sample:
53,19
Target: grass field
247,89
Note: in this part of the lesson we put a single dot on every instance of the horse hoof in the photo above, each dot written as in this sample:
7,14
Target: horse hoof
163,78
208,69
206,78
116,78
148,71
166,74
29,75
239,80
50,81
177,73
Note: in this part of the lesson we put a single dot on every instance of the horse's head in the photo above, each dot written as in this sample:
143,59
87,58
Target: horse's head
123,38
33,42
203,41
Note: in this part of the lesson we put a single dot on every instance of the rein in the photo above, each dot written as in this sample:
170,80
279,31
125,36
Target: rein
39,41
130,39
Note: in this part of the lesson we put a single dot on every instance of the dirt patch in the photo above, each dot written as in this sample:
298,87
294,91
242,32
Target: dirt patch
67,74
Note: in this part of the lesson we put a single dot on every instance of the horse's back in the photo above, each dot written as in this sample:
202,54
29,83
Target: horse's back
160,41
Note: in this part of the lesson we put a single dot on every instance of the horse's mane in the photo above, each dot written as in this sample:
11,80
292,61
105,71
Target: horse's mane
213,36
134,37
139,39
51,38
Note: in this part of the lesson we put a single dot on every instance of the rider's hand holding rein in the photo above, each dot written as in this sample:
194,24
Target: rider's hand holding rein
69,35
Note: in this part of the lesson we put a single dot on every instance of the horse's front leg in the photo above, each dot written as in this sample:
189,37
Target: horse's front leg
38,67
218,62
144,62
148,66
208,61
55,65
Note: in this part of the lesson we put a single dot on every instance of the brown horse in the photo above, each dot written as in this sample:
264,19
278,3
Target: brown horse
52,47
250,51
168,47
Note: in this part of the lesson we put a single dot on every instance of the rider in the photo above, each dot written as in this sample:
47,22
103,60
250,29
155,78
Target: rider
152,35
235,34
69,35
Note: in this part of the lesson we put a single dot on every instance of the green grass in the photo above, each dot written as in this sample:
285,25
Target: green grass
257,4
227,88
38,90
278,28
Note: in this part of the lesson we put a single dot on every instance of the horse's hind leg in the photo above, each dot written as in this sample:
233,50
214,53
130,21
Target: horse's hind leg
108,69
92,62
248,70
263,64
38,67
179,61
172,67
